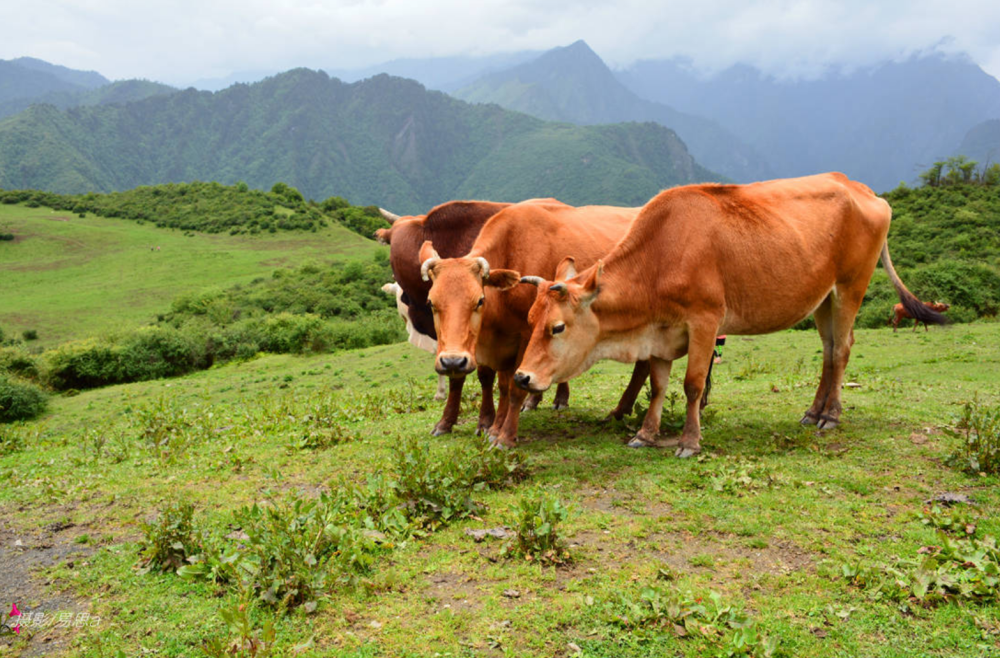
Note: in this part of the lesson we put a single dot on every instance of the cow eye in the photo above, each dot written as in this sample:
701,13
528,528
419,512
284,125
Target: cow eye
559,328
481,301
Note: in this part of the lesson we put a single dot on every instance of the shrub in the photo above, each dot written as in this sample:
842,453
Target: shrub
979,433
18,361
30,334
170,539
20,400
536,536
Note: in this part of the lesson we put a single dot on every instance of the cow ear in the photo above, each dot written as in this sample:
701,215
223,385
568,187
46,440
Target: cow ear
427,251
591,284
383,235
566,269
503,279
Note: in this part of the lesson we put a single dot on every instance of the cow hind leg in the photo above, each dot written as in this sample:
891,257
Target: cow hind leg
451,407
659,371
845,308
701,345
627,402
442,389
823,315
531,402
561,400
487,412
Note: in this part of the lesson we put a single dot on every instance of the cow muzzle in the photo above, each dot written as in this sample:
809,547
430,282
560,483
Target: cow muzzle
528,382
454,363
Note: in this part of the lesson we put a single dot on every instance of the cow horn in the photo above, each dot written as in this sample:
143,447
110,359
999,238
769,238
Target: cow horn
533,280
558,287
426,266
389,217
484,265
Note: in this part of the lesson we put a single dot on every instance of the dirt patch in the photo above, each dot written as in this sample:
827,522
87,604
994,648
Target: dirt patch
58,218
50,618
457,592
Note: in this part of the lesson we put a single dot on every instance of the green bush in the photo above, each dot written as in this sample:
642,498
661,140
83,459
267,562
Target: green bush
979,432
148,353
536,535
170,539
16,360
20,400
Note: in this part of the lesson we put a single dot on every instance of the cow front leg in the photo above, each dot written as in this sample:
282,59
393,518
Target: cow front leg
659,371
451,407
487,412
627,402
504,381
507,436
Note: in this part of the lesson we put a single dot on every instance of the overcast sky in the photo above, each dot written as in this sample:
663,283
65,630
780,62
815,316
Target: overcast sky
183,40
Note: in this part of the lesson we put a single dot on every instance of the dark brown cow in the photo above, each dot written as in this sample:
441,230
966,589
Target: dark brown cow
899,314
479,324
704,260
453,227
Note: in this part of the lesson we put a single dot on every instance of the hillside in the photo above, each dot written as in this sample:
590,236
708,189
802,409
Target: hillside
572,84
122,91
384,141
68,277
982,143
880,125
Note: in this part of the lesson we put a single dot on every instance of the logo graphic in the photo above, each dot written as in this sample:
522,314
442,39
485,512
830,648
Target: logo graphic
13,617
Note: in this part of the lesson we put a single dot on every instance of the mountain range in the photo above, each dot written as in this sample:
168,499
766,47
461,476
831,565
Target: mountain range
535,124
573,84
384,140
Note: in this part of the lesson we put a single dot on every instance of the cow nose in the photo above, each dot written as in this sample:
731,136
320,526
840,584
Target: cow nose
454,362
522,379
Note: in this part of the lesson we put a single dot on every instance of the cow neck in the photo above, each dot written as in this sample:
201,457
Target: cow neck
625,300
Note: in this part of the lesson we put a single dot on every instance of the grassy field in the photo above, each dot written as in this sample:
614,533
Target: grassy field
63,275
775,527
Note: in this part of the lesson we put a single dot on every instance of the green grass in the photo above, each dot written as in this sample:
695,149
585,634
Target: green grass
64,273
765,517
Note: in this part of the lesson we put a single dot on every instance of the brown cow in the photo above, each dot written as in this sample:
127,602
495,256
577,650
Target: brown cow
704,260
453,227
899,314
478,324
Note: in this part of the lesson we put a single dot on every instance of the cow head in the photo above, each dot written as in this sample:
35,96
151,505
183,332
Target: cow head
457,300
940,307
564,328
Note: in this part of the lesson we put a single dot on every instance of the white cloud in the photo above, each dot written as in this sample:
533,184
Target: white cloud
188,39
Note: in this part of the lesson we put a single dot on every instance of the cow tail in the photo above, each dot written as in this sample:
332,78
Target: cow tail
913,306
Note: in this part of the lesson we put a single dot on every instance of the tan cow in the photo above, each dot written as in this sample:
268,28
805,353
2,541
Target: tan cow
899,314
478,324
704,260
453,227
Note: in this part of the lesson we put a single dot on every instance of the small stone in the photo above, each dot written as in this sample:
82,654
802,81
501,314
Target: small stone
512,594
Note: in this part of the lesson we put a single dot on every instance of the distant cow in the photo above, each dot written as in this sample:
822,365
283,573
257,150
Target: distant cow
899,313
417,339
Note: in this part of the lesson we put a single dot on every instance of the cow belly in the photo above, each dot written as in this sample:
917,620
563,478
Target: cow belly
771,314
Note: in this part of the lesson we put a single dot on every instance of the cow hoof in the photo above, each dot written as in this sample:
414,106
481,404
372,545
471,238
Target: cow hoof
684,453
438,398
559,406
639,443
527,407
497,444
808,420
827,424
440,431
